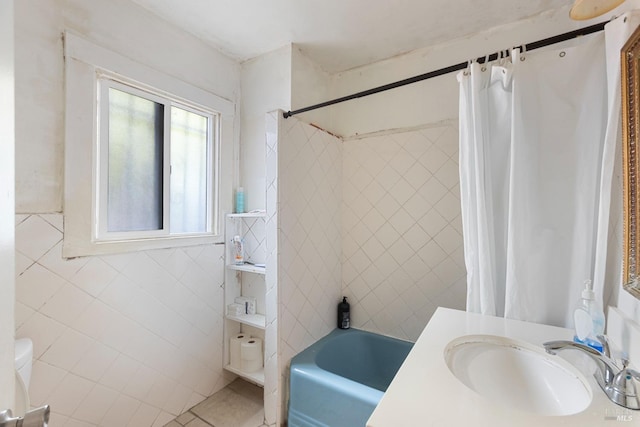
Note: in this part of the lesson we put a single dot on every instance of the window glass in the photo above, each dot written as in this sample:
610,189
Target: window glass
189,167
135,165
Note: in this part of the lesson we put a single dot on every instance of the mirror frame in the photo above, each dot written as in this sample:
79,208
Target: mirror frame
630,78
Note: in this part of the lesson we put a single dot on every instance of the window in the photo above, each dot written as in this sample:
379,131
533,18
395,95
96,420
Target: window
155,161
149,157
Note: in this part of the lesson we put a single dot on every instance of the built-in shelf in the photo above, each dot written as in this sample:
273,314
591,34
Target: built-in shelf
246,280
247,267
256,320
247,215
256,377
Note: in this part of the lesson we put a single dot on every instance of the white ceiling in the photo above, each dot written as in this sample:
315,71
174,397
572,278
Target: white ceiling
339,34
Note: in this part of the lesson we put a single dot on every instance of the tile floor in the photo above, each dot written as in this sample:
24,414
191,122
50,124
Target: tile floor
239,404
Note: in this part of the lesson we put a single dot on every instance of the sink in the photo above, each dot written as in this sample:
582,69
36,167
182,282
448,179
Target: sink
518,375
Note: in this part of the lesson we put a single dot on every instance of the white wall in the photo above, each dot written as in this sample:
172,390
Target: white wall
39,106
131,339
7,203
118,25
310,85
266,86
283,79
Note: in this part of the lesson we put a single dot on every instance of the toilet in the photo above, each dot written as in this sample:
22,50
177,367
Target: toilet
23,364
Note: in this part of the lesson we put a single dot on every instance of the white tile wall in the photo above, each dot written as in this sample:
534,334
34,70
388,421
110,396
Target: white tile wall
119,340
402,231
310,192
308,181
273,407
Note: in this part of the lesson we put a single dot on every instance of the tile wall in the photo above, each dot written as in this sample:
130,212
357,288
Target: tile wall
309,189
119,340
402,230
272,396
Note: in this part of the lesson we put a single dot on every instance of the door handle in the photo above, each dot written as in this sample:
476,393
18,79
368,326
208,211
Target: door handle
38,417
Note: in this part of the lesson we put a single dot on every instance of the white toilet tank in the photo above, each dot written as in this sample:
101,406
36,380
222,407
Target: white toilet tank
23,364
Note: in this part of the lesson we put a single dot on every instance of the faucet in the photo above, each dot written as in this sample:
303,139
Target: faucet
618,384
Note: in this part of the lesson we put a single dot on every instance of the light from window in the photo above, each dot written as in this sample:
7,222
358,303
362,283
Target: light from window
135,163
156,165
189,189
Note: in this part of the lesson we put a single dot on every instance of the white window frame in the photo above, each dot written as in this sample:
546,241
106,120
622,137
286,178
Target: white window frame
107,81
85,64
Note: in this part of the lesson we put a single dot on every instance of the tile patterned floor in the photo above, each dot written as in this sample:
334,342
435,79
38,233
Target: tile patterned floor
240,404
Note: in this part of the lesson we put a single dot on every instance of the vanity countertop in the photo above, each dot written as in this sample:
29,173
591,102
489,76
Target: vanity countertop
425,392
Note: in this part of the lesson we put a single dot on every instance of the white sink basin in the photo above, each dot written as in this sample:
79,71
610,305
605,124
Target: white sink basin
518,375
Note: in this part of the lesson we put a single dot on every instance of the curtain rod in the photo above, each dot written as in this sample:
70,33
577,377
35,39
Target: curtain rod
450,69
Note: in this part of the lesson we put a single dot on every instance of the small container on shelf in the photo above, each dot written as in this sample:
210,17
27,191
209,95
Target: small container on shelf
240,200
235,309
238,250
249,304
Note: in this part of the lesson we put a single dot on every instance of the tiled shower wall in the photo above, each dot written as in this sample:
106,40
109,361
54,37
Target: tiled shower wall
309,188
402,230
120,340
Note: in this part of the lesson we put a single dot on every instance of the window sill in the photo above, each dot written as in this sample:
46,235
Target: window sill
71,249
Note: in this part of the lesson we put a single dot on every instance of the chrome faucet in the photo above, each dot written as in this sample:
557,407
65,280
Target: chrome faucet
618,384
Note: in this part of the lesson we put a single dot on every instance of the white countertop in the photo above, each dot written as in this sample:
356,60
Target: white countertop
425,392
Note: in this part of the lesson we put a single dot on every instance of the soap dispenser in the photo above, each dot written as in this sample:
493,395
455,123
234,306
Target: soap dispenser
588,319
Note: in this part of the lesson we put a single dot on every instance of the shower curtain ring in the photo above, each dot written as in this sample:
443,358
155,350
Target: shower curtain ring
523,52
484,65
467,71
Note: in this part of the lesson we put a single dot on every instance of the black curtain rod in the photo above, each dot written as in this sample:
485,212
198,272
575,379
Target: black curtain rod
450,69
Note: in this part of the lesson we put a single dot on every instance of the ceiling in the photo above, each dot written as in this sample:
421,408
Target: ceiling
339,34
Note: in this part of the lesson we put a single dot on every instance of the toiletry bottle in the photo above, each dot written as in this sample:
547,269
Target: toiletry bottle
344,315
240,200
588,319
238,250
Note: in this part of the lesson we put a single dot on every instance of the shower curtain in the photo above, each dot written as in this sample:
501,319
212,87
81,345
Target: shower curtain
538,134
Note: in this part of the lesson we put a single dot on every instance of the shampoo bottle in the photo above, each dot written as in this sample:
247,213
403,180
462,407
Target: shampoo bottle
344,315
588,319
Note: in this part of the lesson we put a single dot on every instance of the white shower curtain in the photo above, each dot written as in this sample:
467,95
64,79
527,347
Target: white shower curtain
537,139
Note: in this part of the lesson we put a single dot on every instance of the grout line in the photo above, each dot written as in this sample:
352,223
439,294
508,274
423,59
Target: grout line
200,418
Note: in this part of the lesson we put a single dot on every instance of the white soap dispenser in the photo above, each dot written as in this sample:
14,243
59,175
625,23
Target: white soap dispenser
588,319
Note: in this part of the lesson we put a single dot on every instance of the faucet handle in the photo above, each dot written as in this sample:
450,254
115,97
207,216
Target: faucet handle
624,388
631,372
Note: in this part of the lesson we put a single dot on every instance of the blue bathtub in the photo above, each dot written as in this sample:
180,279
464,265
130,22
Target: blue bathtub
339,380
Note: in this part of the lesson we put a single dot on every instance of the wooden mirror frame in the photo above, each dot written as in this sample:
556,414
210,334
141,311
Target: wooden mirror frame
630,56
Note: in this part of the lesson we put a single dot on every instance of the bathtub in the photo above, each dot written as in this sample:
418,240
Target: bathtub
339,380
